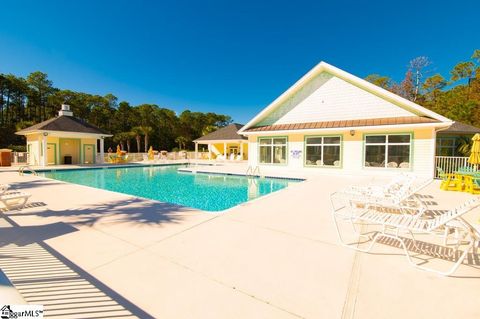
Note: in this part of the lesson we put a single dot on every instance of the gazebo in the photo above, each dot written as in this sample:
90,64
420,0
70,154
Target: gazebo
225,142
64,139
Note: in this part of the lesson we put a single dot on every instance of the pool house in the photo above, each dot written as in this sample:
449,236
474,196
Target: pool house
224,143
64,139
331,121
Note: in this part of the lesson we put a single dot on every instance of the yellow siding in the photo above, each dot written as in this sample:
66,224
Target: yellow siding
219,147
423,152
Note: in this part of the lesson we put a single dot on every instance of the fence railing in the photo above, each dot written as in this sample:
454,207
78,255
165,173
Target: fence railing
19,158
450,164
138,157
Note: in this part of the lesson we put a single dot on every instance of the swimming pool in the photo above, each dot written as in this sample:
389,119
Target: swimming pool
210,192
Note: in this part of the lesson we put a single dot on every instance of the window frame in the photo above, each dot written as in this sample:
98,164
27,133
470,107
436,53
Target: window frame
438,147
272,149
322,145
386,144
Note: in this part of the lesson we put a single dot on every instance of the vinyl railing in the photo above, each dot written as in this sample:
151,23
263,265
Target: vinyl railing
19,158
450,164
138,157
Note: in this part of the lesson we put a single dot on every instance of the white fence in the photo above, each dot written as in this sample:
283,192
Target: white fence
19,158
450,164
138,157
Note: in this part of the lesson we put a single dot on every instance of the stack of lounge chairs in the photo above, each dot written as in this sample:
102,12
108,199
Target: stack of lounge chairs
396,208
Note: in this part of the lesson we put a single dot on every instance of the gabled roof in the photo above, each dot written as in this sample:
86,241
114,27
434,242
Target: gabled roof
461,128
356,81
228,132
64,124
345,124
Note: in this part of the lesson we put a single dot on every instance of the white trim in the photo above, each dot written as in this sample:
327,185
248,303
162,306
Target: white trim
361,83
363,128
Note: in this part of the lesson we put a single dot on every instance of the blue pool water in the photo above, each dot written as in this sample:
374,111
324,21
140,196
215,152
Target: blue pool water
211,192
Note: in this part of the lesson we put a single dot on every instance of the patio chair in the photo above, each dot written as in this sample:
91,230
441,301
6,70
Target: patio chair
471,184
393,224
450,181
402,199
392,165
14,199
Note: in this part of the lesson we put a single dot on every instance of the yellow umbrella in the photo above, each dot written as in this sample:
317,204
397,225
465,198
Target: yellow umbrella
475,151
150,153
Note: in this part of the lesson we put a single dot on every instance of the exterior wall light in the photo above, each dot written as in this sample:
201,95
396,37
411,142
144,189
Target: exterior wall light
352,132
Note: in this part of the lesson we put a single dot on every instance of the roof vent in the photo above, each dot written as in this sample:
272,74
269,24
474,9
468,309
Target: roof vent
65,110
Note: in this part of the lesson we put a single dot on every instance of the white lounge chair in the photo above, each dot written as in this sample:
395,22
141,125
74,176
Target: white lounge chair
394,185
14,199
393,224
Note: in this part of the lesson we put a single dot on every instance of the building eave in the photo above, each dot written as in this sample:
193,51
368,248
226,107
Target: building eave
362,128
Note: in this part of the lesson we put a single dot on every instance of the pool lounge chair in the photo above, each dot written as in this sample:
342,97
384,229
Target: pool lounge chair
396,187
394,224
14,199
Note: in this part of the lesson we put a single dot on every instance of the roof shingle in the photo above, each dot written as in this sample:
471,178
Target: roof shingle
64,124
461,128
225,133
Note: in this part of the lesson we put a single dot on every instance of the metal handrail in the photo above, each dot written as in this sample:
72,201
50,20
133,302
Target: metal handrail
252,170
21,170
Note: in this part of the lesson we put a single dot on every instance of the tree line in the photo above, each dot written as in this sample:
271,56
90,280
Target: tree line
456,95
30,100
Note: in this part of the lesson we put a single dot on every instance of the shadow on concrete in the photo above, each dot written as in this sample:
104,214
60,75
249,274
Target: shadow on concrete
33,184
428,252
132,210
27,205
44,276
25,235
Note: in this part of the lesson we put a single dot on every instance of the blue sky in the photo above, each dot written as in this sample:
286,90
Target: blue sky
231,57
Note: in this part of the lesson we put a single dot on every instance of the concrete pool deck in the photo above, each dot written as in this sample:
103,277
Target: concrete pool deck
85,252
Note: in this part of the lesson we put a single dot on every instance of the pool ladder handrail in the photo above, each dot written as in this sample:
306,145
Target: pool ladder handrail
251,170
22,169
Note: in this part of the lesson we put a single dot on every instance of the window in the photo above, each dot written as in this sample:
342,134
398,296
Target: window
390,151
322,151
446,146
273,150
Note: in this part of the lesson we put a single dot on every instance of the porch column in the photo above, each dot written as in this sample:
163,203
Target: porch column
44,150
102,157
241,150
209,151
225,150
196,150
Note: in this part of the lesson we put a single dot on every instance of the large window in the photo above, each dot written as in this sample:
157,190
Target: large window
273,150
322,151
390,151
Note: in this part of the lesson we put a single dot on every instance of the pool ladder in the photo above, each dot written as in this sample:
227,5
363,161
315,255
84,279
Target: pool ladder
22,170
251,170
